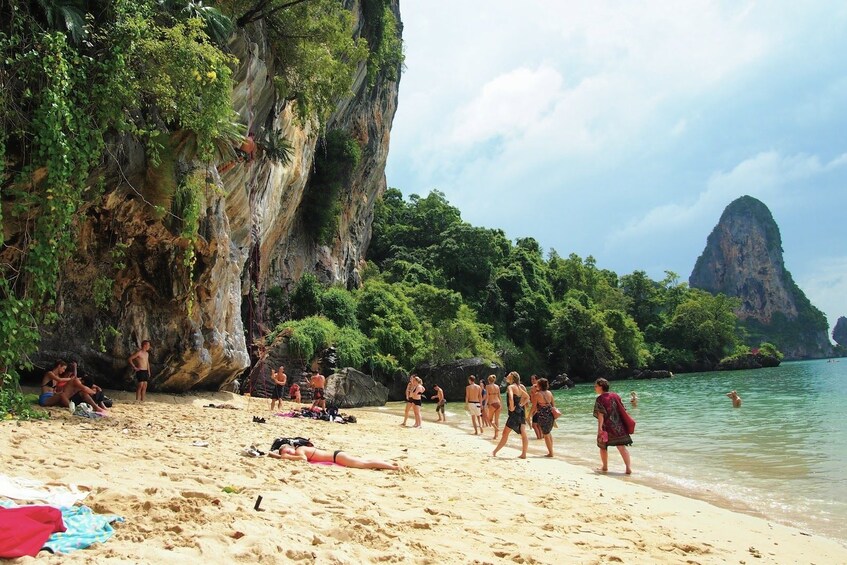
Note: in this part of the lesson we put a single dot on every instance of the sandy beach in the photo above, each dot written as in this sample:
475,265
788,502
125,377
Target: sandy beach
453,503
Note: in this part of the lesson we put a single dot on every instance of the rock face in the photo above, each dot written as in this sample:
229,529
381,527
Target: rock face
128,279
453,377
839,332
350,388
743,258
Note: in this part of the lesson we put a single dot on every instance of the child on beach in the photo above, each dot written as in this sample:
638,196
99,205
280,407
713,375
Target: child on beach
294,393
439,408
140,362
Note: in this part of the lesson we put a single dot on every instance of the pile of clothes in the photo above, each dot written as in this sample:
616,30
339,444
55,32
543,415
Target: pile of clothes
60,526
329,415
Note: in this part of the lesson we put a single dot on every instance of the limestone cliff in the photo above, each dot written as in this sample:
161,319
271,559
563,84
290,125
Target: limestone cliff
128,281
743,258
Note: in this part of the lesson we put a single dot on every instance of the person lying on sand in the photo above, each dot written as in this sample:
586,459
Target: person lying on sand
315,455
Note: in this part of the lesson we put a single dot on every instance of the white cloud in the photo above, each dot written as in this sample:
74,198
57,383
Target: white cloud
825,285
768,176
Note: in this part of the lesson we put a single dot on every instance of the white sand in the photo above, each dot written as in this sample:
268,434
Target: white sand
453,504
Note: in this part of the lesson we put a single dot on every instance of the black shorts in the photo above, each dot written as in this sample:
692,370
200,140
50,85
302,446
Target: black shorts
142,376
277,393
319,394
415,401
535,418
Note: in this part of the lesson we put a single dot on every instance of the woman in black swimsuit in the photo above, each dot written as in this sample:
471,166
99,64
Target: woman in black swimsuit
315,455
517,399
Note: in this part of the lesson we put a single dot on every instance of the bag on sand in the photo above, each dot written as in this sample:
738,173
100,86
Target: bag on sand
294,442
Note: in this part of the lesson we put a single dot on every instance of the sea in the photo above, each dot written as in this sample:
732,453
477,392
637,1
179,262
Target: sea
782,455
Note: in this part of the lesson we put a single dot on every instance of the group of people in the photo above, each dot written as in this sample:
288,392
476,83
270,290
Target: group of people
317,381
533,407
62,386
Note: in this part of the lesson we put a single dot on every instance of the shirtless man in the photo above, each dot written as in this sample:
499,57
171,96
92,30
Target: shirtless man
318,382
736,400
280,379
473,403
140,362
439,409
58,390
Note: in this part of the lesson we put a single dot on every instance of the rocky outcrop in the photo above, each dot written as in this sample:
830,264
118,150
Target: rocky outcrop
743,258
748,361
350,388
453,377
651,374
839,332
130,278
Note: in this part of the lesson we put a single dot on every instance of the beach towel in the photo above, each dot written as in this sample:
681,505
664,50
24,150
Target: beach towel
84,528
24,530
28,490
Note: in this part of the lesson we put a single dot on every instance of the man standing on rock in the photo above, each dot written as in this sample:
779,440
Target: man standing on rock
473,403
318,382
140,362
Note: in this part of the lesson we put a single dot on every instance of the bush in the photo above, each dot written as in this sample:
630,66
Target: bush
305,299
339,306
352,348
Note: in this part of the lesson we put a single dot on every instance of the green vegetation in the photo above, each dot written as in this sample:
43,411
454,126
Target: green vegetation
337,154
385,41
438,289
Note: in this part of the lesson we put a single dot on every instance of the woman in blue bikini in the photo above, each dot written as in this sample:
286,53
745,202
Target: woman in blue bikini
315,455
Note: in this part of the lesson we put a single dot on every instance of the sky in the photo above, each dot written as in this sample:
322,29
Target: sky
622,129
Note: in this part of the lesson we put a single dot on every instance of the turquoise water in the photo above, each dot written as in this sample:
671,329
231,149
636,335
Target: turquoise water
781,455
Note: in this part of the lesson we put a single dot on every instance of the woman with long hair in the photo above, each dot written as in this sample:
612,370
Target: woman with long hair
543,408
611,430
517,399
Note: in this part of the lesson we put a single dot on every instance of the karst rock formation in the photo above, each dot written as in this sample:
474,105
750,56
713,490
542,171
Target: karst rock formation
251,237
743,258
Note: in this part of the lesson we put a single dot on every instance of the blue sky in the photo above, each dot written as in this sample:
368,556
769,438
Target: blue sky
623,129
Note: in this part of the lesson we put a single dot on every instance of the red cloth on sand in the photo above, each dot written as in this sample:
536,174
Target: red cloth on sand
24,530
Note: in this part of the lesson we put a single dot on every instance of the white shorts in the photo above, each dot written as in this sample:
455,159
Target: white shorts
474,408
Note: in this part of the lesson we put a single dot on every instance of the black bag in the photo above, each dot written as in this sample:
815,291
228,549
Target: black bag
294,442
107,402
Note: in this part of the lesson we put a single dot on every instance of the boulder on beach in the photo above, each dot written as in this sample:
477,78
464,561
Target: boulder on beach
350,388
452,377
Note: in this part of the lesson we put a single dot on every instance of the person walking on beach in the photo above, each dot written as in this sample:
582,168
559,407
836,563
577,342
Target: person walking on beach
439,408
415,399
736,400
140,362
315,455
611,430
516,398
473,401
543,409
494,404
318,382
533,415
409,404
280,379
